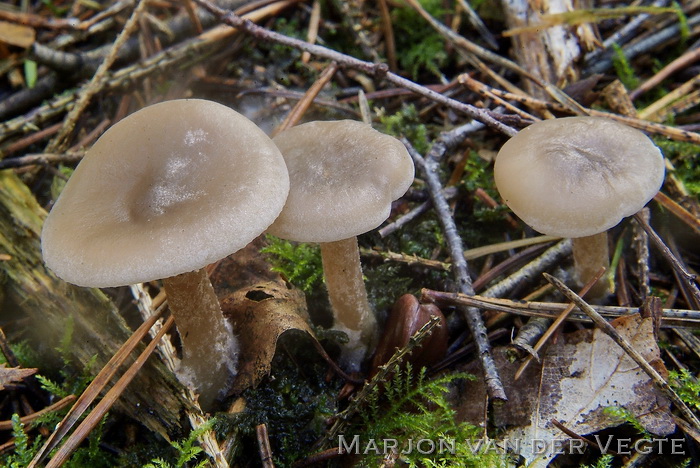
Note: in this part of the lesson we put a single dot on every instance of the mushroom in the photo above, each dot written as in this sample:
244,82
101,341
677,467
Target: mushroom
578,177
163,193
343,177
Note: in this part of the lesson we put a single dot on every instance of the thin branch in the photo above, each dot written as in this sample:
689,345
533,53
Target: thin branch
550,257
42,159
60,404
264,446
670,317
415,213
555,325
460,271
409,260
678,268
681,63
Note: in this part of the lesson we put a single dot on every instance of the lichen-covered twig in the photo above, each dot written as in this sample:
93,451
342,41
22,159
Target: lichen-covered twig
641,47
41,158
450,193
550,257
471,315
652,128
679,269
670,317
409,260
622,35
191,51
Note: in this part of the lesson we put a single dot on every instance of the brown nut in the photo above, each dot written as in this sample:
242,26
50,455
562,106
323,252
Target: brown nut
405,319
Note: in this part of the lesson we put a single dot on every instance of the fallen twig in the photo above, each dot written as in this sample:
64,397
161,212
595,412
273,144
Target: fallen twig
555,325
62,403
670,318
533,269
60,141
264,446
41,158
679,269
460,272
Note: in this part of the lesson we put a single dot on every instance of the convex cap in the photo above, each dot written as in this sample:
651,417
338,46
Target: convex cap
344,176
578,176
169,189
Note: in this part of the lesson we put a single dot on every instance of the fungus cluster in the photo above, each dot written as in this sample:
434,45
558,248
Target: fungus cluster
181,184
578,177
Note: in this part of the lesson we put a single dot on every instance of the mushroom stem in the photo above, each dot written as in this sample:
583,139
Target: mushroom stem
348,297
209,348
590,253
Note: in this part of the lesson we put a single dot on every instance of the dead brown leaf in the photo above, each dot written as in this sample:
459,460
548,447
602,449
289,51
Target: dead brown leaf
259,315
579,377
260,306
16,34
10,375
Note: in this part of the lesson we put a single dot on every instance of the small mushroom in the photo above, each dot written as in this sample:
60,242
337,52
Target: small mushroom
343,177
578,177
163,193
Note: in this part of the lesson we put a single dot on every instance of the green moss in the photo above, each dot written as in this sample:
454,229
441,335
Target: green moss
687,387
294,403
419,47
385,283
623,415
684,158
300,263
25,354
89,455
605,461
683,23
422,238
24,449
623,68
406,122
411,408
187,451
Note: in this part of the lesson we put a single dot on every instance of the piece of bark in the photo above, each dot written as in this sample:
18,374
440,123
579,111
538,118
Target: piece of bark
549,52
46,303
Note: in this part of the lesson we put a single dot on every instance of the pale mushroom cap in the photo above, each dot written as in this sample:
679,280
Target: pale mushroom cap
344,176
169,189
578,176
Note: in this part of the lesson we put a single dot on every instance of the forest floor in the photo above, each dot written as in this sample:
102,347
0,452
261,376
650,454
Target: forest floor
506,365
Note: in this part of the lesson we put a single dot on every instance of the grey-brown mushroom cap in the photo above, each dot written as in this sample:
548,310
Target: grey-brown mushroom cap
169,189
578,176
343,177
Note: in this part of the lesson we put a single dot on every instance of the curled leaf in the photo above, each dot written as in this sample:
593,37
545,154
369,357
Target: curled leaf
259,314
